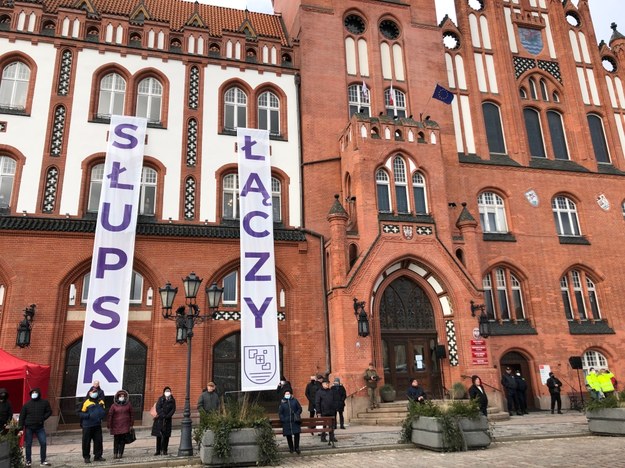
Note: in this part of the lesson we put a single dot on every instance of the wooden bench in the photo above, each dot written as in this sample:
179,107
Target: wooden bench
310,426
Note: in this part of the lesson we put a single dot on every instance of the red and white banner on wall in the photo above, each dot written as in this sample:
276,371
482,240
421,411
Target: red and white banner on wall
260,360
106,320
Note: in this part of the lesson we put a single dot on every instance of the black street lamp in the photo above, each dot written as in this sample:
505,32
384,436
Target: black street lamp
483,323
361,316
25,326
186,317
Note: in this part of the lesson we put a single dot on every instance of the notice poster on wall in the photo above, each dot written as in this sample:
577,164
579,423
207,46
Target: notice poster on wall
544,373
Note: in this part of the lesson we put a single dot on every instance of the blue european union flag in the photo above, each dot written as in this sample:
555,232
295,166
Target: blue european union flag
443,94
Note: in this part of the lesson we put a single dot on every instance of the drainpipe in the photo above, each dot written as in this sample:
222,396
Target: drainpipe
298,86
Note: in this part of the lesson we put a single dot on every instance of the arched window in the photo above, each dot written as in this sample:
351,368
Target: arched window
14,86
395,102
231,288
533,92
585,305
503,295
269,112
230,190
235,109
358,100
419,193
594,359
401,188
7,177
565,216
276,200
492,213
95,188
136,288
597,136
558,138
534,133
543,90
494,130
112,95
149,99
383,189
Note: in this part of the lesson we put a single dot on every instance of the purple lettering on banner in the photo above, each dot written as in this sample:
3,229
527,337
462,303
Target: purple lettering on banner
116,170
247,149
92,366
254,184
106,214
247,220
98,309
119,132
258,314
262,258
101,262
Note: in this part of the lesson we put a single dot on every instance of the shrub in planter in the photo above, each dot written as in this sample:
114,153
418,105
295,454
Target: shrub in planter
458,391
10,450
387,393
606,416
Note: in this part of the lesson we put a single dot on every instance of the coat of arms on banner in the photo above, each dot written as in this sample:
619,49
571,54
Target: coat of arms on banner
408,232
603,202
260,363
532,40
532,197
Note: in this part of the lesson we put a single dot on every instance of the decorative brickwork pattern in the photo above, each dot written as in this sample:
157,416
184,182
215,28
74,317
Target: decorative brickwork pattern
49,196
192,142
189,198
452,345
58,131
194,88
65,73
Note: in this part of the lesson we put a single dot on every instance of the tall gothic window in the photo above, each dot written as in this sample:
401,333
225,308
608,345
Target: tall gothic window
269,112
494,129
503,295
14,86
235,109
7,178
579,296
358,100
565,216
492,213
112,95
149,99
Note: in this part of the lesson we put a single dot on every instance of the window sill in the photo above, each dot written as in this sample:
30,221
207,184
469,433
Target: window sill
14,111
498,237
589,327
508,327
407,218
576,240
233,132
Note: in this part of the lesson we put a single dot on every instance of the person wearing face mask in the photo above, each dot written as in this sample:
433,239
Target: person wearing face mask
33,415
592,384
120,421
6,411
290,412
91,414
283,387
311,391
161,428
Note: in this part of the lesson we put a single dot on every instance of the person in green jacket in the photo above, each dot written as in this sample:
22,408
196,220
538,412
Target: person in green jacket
592,384
605,382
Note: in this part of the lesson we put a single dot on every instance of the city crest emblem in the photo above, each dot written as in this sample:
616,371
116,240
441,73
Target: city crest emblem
408,232
603,202
532,197
532,40
260,363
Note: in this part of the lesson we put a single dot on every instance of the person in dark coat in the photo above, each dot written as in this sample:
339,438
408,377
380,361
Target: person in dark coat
311,391
325,406
6,411
32,417
283,387
290,413
120,421
555,387
477,392
209,399
340,395
91,414
521,390
509,383
415,392
161,428
96,385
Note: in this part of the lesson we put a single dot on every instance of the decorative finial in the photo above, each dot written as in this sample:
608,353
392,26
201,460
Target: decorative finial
613,26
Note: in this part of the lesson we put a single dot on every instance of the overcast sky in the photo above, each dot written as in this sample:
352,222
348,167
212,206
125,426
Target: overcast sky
604,12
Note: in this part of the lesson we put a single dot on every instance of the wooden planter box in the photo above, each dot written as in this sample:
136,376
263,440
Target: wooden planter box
244,449
428,433
607,421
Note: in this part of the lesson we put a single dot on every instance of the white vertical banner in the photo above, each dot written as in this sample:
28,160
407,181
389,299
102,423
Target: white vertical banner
106,320
260,363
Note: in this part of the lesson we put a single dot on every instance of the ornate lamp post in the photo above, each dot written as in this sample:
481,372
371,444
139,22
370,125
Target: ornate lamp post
483,323
361,316
25,326
186,317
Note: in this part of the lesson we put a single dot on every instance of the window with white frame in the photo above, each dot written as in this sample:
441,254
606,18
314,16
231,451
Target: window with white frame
565,216
230,285
149,99
14,86
419,193
112,95
269,112
358,100
276,200
594,359
383,190
401,185
579,296
95,188
492,213
235,109
136,288
230,189
147,197
395,102
8,167
623,209
503,295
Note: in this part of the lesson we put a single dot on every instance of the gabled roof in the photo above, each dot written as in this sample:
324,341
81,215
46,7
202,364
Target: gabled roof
177,13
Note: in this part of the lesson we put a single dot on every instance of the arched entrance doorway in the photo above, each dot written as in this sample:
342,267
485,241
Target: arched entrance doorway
519,363
134,379
409,337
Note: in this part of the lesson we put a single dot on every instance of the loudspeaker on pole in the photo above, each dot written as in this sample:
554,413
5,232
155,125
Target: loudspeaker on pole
441,353
575,362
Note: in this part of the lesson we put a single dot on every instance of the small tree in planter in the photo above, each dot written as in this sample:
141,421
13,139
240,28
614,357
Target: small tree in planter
458,391
9,445
456,427
606,416
387,393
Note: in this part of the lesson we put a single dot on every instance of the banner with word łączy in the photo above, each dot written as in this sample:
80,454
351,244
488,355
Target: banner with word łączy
260,363
106,320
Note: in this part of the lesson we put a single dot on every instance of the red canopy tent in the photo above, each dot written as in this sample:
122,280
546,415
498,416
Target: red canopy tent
19,377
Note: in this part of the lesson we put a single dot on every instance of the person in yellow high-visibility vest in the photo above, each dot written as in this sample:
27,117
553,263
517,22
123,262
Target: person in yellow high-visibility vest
605,382
592,384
